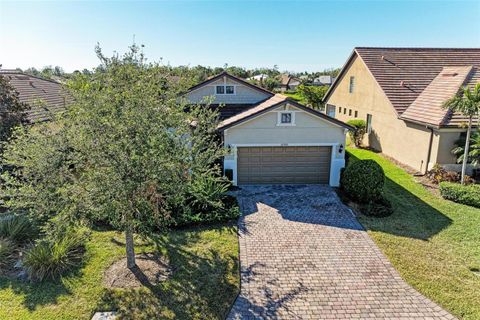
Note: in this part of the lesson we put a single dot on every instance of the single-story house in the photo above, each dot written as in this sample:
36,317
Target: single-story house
258,77
399,92
288,82
272,139
323,81
44,97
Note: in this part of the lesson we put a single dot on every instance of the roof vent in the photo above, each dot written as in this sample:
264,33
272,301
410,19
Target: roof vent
383,58
450,74
402,83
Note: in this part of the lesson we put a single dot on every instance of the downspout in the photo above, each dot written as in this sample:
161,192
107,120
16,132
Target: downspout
429,149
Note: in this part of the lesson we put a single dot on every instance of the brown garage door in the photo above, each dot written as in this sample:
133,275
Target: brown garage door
284,165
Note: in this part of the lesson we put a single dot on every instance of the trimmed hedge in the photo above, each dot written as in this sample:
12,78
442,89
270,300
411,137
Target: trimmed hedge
363,181
464,194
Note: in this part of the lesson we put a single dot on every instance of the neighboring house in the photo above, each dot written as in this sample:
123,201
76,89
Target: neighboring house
289,83
259,77
400,92
323,81
271,138
45,97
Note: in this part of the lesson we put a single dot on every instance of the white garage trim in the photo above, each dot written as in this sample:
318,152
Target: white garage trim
335,164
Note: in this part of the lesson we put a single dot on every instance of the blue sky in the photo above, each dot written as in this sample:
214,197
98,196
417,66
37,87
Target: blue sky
294,35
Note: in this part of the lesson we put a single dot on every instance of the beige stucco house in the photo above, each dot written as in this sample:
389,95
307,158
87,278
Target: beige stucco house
400,92
272,139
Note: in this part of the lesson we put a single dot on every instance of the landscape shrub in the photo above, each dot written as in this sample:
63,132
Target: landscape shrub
7,248
207,201
465,194
380,208
360,129
16,227
363,181
50,258
439,174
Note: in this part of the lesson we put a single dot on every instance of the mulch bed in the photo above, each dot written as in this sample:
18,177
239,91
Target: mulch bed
150,271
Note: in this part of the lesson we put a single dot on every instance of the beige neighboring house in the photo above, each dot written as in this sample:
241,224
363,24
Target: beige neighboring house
271,138
399,92
45,97
288,82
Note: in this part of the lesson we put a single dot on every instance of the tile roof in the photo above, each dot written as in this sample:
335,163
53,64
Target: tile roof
45,97
230,110
416,67
271,103
427,107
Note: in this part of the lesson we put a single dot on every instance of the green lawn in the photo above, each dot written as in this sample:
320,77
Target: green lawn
204,284
432,242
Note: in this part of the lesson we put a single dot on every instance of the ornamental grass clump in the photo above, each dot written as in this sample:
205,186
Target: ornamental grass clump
50,258
7,249
17,228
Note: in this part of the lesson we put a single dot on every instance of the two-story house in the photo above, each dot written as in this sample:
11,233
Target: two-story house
273,139
399,92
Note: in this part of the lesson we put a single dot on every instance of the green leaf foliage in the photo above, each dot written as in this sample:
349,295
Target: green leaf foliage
127,151
313,95
12,111
360,129
465,194
7,248
363,181
16,228
51,257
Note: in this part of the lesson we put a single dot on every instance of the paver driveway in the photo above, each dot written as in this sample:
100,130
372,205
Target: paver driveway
304,255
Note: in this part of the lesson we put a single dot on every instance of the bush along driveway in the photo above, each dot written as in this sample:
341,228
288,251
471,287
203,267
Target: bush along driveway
303,255
432,242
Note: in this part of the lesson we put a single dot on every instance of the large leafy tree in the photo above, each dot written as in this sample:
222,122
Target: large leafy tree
467,102
12,110
126,151
313,95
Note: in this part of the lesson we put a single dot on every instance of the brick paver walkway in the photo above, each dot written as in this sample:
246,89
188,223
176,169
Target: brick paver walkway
303,255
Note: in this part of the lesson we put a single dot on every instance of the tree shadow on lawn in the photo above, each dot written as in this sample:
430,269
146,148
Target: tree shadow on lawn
42,293
203,284
412,217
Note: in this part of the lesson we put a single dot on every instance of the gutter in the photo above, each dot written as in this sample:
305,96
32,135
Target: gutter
429,149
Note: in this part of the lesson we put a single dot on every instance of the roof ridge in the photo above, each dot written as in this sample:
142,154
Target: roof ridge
421,48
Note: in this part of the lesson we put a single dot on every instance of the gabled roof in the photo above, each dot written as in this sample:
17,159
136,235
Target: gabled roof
45,97
272,103
404,73
235,78
286,78
427,108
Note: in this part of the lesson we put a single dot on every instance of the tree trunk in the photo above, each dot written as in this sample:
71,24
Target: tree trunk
466,150
130,248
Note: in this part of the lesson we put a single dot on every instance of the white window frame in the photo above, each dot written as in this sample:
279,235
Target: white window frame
225,90
331,110
369,123
279,118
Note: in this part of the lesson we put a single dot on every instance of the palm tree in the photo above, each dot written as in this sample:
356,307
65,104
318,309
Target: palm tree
467,102
473,149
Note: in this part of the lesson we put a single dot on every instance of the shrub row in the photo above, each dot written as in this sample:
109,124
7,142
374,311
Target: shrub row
465,194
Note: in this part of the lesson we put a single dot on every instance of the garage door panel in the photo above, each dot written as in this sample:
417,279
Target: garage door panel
283,165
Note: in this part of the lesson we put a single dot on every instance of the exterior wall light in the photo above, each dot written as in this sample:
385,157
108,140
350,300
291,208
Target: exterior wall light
340,148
